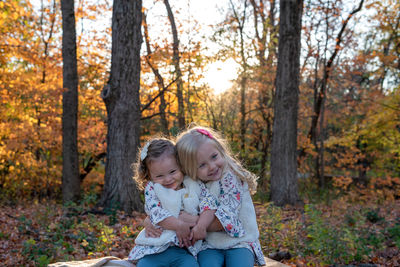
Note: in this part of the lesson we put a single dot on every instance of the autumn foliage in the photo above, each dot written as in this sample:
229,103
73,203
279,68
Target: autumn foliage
350,171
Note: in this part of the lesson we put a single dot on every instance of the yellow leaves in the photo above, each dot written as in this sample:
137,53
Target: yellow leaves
3,17
84,243
12,15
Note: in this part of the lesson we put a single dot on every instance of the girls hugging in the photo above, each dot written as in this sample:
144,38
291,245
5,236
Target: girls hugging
205,217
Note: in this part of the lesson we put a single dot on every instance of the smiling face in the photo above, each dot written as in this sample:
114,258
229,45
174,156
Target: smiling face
165,170
210,162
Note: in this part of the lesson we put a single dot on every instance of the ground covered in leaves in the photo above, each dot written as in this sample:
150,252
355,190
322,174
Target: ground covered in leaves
309,235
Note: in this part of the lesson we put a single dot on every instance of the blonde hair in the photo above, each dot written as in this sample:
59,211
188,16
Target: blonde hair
153,149
188,143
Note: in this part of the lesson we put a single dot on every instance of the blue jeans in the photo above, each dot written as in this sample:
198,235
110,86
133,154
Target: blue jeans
234,257
173,256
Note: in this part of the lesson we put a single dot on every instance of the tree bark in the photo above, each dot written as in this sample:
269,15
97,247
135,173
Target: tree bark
121,96
178,72
70,173
284,186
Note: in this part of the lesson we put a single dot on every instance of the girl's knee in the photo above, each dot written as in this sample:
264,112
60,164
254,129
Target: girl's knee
189,261
239,257
182,257
211,258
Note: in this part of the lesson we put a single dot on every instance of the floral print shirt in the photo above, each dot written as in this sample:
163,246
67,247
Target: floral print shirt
229,204
152,205
157,213
207,201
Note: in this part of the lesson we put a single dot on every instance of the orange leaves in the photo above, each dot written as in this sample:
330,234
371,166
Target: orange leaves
30,103
386,187
342,182
11,10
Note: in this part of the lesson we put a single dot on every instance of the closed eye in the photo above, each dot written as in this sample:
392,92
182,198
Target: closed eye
202,165
172,171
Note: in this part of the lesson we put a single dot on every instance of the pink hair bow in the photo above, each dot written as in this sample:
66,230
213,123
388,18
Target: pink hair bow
205,132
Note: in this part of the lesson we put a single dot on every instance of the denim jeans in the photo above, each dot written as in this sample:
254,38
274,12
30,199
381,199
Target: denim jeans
234,257
173,256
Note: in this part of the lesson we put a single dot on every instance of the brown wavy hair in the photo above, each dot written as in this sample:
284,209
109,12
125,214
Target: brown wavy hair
156,148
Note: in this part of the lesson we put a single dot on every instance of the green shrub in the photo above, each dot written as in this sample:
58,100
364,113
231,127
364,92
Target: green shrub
327,242
37,253
394,233
372,215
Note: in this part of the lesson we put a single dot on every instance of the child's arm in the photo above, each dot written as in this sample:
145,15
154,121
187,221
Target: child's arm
229,205
152,205
186,217
151,230
215,226
199,231
207,206
181,228
162,217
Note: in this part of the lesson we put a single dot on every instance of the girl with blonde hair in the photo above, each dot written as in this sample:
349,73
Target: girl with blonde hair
204,155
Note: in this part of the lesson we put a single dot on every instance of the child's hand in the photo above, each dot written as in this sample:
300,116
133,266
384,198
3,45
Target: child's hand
151,230
183,233
198,232
186,217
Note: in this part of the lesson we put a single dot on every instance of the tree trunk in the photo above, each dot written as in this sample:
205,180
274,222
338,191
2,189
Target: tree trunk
243,82
178,72
284,188
121,96
70,173
320,164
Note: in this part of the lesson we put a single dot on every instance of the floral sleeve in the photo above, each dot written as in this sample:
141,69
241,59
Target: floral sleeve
153,206
229,205
207,200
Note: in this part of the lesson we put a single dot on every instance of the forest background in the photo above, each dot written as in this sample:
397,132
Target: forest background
348,123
